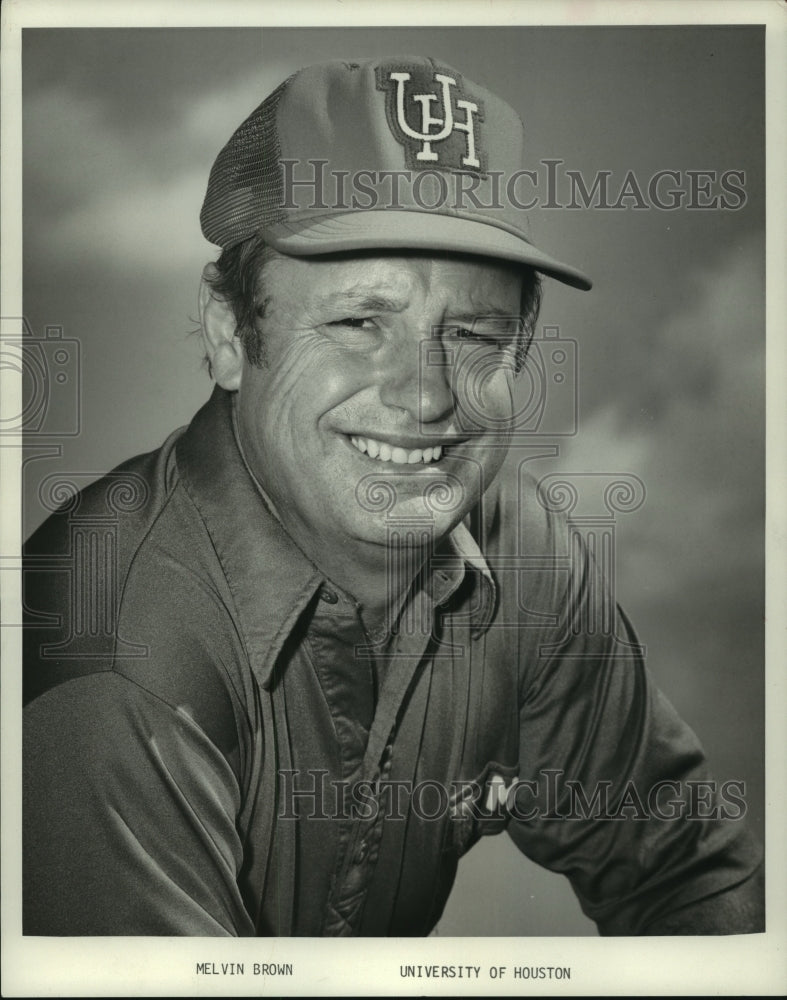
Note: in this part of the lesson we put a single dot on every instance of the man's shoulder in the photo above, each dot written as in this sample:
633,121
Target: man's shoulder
129,498
122,580
76,566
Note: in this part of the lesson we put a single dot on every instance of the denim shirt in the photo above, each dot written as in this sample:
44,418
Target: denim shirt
214,746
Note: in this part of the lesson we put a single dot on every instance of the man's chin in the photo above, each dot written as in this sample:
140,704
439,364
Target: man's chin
414,522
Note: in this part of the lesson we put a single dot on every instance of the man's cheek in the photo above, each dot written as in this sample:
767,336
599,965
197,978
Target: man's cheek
316,368
298,363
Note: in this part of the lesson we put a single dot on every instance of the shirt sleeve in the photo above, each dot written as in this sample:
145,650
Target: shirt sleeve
129,824
615,791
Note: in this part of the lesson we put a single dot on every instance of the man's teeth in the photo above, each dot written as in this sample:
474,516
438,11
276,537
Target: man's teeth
385,453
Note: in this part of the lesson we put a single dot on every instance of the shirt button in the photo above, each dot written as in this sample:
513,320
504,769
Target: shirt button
329,596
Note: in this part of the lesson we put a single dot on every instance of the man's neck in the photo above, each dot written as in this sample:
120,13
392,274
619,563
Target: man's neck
378,577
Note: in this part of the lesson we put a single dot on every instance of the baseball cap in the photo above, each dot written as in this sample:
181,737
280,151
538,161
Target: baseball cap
395,153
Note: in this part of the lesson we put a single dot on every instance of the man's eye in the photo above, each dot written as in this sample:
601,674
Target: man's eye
497,340
354,322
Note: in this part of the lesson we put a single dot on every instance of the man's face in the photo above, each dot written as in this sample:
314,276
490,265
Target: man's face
386,392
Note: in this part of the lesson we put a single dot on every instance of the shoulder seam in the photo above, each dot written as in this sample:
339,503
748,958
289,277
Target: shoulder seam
131,564
192,501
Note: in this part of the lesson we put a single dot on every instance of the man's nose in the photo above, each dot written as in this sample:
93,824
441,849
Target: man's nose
417,378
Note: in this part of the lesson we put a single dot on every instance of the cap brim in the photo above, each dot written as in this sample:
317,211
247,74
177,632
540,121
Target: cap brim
414,230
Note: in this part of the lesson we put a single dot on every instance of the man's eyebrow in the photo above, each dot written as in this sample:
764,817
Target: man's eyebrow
482,311
363,299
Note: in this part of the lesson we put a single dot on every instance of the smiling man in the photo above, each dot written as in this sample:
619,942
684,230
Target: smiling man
343,395
333,642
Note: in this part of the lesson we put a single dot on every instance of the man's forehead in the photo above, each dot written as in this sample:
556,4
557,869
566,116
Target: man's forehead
390,280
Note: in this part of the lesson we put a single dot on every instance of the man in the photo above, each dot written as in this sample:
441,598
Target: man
345,644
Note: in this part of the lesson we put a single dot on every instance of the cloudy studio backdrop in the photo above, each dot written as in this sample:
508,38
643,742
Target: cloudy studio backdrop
666,354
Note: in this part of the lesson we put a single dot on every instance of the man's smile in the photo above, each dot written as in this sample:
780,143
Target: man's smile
384,452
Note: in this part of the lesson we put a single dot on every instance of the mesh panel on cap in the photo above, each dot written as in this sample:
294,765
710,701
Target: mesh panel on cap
244,190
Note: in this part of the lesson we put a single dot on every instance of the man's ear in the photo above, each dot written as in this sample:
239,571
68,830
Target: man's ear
222,345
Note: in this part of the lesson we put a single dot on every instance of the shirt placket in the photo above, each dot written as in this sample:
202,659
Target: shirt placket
345,904
405,655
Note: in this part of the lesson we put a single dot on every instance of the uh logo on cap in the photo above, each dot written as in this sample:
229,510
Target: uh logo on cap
431,116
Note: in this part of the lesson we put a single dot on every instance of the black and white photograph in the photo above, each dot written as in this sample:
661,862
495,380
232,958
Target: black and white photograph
391,500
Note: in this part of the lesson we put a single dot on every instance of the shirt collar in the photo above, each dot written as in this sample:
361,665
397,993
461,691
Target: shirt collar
253,547
466,553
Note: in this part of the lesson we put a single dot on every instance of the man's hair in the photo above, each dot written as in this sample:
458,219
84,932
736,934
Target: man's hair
239,282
